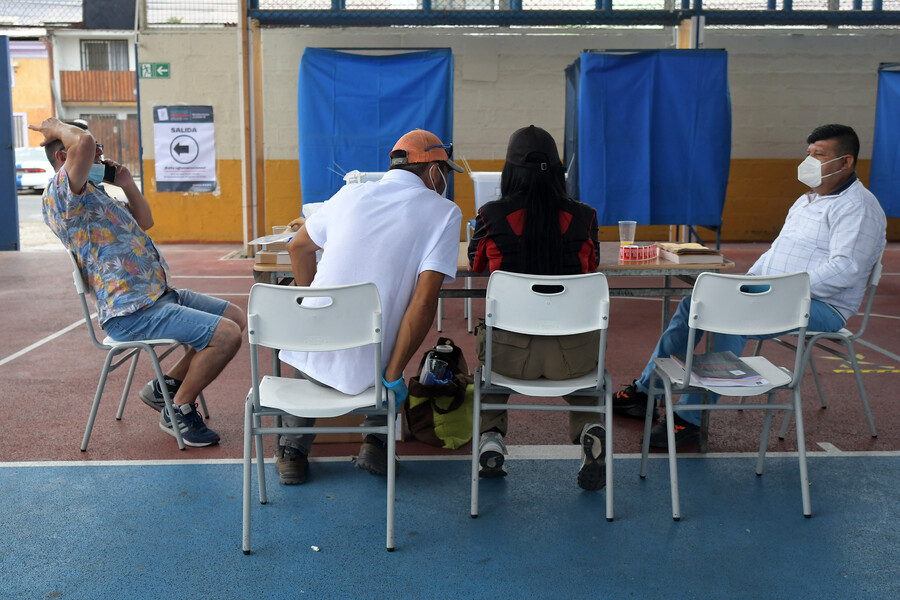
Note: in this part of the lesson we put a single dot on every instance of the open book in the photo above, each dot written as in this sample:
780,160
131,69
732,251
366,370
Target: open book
688,253
721,369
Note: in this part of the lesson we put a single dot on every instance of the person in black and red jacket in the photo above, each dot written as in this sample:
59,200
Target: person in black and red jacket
537,228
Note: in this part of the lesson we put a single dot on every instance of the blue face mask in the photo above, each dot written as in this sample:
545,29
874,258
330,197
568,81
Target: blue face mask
96,174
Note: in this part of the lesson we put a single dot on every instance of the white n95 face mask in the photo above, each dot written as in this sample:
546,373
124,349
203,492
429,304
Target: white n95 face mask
809,172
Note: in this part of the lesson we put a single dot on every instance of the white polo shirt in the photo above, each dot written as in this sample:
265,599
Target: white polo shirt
386,232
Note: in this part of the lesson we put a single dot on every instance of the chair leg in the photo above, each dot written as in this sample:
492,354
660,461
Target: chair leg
648,423
260,463
862,389
203,408
391,478
248,409
476,436
815,373
168,399
127,387
609,449
801,454
764,438
440,313
673,464
93,414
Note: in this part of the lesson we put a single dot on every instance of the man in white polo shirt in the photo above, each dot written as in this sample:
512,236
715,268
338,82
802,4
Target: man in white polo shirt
402,234
835,232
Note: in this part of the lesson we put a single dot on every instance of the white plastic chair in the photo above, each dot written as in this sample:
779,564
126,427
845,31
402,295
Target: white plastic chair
733,304
843,337
553,306
277,319
132,350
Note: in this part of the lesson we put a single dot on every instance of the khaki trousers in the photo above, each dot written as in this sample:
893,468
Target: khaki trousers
530,357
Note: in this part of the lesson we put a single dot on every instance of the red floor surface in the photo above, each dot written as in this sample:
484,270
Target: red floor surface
48,389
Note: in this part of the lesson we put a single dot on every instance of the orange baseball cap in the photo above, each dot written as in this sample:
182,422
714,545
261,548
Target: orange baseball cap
420,146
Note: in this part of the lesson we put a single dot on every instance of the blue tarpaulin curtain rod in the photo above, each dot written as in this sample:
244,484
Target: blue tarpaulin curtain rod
652,135
354,107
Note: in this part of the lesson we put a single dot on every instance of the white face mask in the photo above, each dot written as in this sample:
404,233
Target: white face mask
96,174
809,172
441,171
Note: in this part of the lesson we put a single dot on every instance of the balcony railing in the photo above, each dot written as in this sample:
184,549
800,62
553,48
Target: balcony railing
97,87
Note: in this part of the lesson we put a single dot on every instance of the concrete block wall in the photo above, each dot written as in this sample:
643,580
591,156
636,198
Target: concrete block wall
783,83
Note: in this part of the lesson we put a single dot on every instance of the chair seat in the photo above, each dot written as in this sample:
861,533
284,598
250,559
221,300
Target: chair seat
776,376
546,387
303,398
108,341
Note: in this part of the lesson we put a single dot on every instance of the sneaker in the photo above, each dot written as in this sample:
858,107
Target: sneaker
592,475
193,430
685,433
490,455
372,456
632,402
291,465
152,396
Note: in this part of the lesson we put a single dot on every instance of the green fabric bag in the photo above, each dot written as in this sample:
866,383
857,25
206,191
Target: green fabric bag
441,415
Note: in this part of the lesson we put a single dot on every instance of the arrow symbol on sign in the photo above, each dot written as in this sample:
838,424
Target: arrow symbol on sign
181,149
161,70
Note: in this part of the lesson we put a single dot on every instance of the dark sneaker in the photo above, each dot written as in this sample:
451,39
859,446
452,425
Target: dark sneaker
372,456
291,465
632,402
685,433
152,395
193,430
491,449
592,475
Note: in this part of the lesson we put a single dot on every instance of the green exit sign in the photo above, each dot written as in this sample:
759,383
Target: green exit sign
154,70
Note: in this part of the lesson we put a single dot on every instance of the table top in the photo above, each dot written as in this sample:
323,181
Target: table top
609,263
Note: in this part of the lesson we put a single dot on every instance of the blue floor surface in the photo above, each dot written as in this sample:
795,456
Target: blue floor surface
174,531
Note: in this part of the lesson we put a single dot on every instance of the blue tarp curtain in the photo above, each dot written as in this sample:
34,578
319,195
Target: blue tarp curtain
353,108
884,178
653,135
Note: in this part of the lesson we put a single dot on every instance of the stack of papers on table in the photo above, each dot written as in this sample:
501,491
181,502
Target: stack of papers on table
688,253
721,369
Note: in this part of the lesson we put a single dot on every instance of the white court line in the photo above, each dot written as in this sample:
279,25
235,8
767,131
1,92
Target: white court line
516,453
40,343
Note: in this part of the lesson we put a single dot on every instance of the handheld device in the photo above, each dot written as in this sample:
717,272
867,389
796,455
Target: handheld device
109,173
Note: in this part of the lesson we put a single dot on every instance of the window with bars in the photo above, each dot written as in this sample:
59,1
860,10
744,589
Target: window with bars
20,130
104,55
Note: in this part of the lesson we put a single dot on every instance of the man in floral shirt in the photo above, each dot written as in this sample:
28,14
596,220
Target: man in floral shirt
130,278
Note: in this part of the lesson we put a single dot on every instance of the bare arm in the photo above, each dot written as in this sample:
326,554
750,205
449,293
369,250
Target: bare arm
80,149
416,322
137,204
302,251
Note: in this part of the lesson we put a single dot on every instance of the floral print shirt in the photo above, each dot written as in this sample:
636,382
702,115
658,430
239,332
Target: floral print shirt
118,260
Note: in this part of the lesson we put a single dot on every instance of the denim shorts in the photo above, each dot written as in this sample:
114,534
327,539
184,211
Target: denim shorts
182,315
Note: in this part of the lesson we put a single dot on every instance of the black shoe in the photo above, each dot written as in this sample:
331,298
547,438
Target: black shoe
372,456
685,433
291,465
592,475
632,402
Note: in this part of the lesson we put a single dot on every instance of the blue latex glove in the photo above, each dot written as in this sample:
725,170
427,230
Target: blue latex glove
399,389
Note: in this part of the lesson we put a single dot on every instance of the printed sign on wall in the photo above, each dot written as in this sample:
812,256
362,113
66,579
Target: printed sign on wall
185,148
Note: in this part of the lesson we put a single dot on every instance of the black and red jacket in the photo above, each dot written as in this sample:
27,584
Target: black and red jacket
497,241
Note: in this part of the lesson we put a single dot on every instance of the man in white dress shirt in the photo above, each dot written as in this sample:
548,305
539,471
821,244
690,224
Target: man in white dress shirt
402,234
835,232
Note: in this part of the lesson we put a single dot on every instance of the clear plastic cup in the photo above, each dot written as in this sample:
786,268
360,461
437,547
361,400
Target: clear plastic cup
626,232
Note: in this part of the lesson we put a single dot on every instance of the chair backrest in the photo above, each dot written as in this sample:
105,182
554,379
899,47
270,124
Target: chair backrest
547,305
750,305
349,316
83,289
